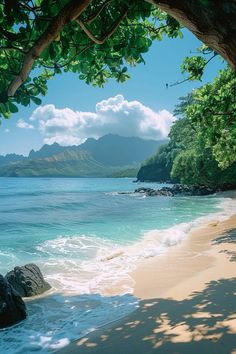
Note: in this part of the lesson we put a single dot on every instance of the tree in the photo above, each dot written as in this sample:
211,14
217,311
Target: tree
202,146
213,114
212,21
195,166
97,39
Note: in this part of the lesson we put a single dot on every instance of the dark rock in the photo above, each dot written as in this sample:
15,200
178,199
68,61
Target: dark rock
154,192
28,280
177,189
143,190
124,192
12,307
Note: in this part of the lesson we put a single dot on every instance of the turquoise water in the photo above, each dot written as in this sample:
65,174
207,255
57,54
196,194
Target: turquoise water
35,210
86,238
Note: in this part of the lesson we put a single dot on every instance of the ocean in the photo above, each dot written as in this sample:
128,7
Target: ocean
87,238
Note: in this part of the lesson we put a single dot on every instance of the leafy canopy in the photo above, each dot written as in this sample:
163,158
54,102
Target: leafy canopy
98,44
202,146
96,39
213,113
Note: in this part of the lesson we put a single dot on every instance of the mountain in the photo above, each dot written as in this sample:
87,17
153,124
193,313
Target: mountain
115,150
64,164
110,155
4,160
46,151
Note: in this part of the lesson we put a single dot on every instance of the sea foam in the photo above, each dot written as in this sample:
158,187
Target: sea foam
91,265
56,320
82,269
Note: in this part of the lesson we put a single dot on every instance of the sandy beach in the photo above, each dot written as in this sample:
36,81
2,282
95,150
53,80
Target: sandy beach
187,301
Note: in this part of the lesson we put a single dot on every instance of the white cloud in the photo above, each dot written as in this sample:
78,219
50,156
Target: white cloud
21,123
114,115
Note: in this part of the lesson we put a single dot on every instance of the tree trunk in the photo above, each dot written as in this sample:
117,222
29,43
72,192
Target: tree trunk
211,21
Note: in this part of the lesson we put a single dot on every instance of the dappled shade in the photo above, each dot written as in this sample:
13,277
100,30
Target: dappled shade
203,323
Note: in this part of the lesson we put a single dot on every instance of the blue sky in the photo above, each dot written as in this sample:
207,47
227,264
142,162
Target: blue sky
145,92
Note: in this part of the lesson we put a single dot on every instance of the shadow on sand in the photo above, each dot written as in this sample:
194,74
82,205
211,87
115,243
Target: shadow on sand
204,323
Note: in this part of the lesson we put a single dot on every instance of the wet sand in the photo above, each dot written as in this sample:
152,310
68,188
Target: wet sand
187,302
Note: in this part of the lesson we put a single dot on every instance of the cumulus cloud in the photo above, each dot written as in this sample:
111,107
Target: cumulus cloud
21,123
114,115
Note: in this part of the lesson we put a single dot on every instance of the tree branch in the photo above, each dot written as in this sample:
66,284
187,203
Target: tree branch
193,76
108,34
68,13
60,66
9,35
213,24
93,17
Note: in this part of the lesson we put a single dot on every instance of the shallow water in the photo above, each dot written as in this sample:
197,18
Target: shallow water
86,238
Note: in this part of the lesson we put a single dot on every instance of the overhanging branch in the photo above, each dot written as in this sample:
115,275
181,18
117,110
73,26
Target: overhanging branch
193,77
69,12
93,17
108,34
213,23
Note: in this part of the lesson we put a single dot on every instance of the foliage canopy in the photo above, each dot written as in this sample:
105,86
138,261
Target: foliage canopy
96,40
202,146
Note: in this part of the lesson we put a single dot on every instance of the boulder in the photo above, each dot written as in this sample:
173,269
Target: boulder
12,307
177,189
144,190
27,280
165,191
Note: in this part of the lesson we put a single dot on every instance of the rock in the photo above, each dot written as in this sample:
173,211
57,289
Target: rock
27,280
165,191
151,193
124,192
177,189
12,307
144,190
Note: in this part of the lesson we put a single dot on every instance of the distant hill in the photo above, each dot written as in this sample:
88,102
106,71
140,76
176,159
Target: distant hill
46,151
115,150
65,164
4,160
111,155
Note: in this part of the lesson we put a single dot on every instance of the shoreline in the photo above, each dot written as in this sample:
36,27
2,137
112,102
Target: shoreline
184,272
186,266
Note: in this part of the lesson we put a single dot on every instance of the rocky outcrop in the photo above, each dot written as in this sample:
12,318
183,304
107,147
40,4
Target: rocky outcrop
12,307
177,189
27,280
154,192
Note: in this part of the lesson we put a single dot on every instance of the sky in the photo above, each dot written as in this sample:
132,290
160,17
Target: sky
142,106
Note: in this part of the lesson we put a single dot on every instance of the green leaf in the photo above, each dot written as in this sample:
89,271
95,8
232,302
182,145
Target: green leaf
36,100
13,108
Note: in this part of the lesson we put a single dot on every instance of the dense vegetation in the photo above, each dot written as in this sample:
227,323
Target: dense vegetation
95,39
202,146
98,40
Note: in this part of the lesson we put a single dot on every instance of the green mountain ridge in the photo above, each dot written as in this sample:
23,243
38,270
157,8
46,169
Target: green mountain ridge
67,163
108,156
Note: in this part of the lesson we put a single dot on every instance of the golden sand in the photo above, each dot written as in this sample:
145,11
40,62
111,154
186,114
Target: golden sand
187,302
